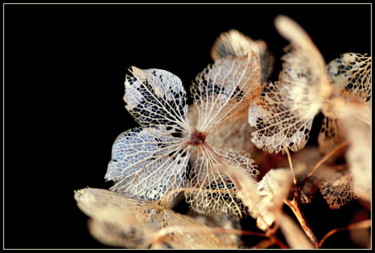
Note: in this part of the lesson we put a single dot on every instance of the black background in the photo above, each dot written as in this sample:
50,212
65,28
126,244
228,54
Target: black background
64,73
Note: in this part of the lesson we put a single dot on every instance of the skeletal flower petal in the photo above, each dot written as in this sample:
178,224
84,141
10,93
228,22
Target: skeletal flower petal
234,43
336,187
277,126
224,90
212,190
304,71
147,163
352,72
156,98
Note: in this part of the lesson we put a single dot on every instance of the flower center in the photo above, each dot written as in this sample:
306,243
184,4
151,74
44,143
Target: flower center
196,138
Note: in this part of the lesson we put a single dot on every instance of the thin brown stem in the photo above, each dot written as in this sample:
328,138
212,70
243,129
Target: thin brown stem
291,167
323,160
358,225
293,204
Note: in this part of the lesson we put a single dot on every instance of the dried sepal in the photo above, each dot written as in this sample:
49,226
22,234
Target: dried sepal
118,220
210,190
284,113
304,70
156,98
278,127
121,221
352,72
147,163
224,90
234,43
336,187
273,190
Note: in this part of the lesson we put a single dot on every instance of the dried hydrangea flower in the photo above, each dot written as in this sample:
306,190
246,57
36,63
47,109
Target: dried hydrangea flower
151,161
284,114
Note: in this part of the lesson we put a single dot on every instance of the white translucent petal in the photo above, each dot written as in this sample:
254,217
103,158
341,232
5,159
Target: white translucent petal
224,90
352,72
156,98
278,127
211,190
147,163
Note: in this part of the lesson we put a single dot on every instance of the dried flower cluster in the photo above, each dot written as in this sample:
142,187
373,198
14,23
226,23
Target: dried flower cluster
214,150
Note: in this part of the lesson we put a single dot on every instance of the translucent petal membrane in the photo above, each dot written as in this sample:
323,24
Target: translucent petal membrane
352,71
212,191
148,163
156,98
223,90
278,126
234,43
